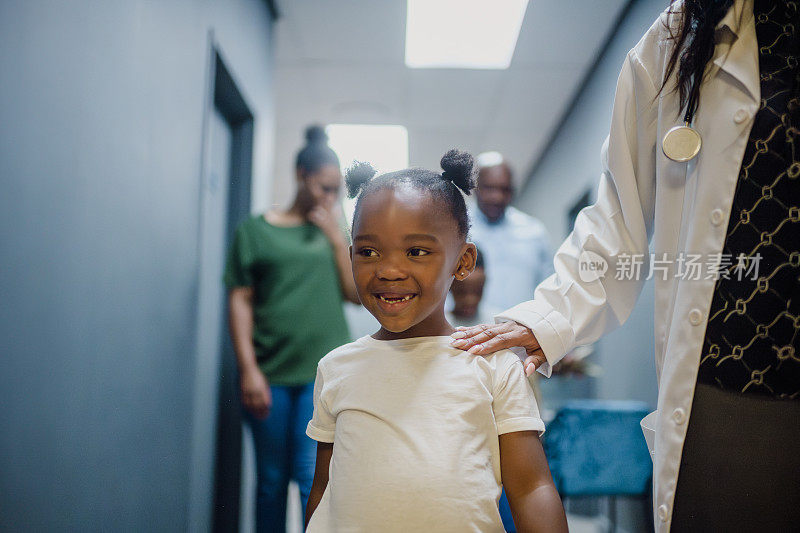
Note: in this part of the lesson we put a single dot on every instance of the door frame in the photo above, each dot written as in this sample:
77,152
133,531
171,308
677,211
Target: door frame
215,478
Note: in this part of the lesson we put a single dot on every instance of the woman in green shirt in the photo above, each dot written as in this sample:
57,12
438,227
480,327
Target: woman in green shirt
287,274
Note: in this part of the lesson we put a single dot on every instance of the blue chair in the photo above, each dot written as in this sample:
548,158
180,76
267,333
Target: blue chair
596,448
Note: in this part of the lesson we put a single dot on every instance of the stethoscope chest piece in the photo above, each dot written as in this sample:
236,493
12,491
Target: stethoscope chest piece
681,143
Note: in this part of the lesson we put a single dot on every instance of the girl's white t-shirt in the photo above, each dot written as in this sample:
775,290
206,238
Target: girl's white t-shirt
415,427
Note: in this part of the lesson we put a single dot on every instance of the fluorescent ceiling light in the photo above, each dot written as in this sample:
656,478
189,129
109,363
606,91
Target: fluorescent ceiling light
477,34
385,147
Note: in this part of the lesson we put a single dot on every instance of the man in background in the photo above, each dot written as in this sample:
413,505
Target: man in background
516,246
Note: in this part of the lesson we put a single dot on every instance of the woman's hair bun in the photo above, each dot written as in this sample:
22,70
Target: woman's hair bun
358,175
316,135
458,169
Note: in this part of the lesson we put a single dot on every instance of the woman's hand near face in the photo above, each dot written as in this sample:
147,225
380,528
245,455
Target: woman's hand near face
256,396
326,219
485,339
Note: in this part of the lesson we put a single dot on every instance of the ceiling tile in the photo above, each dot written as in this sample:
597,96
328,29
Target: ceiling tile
346,31
564,33
455,98
531,98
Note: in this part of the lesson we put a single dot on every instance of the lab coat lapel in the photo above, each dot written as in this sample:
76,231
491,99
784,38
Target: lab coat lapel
741,61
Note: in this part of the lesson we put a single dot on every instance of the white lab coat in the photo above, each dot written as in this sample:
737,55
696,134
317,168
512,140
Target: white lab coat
683,207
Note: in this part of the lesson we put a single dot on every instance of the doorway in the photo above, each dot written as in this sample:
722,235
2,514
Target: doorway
224,203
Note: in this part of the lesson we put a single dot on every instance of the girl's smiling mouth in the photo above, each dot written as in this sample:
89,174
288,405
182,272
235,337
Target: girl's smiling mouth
393,301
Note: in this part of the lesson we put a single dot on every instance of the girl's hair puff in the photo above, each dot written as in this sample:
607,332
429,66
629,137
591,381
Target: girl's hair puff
357,176
458,177
458,169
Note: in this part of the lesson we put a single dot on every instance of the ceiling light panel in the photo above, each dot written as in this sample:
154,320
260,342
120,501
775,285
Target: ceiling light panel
472,34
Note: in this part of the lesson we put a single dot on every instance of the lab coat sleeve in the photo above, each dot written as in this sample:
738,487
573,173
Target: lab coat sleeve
568,311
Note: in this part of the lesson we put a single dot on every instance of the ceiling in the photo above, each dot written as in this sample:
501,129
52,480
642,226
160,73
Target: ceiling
342,61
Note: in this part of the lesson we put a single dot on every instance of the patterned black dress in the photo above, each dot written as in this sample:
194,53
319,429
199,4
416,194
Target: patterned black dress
752,342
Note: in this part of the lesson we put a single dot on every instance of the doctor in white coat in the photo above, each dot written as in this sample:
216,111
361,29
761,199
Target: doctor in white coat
683,207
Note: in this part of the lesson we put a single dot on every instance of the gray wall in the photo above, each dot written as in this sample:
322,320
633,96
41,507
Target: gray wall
570,166
101,124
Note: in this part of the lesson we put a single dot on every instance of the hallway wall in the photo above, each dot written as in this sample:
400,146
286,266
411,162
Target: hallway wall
570,167
102,115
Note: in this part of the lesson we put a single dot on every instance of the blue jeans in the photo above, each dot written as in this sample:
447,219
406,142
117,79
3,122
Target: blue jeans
283,452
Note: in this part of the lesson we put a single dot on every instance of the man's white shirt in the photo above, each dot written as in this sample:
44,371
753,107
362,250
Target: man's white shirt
517,253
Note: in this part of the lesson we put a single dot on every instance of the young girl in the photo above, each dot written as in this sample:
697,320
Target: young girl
413,434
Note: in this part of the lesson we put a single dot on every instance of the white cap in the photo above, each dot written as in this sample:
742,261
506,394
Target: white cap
489,159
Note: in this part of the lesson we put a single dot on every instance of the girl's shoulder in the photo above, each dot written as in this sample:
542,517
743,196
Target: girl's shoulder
507,359
494,367
344,352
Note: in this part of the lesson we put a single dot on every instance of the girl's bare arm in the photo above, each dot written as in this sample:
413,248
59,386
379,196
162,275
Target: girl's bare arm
532,495
324,454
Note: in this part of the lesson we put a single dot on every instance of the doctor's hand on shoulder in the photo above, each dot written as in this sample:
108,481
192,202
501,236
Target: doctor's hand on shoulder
485,339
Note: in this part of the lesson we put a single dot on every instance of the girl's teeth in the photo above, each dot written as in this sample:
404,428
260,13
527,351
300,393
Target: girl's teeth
395,300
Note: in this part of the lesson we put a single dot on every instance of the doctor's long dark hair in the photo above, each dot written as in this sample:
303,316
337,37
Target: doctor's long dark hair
693,45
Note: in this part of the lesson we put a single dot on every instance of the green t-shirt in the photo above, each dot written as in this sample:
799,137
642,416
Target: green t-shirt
297,300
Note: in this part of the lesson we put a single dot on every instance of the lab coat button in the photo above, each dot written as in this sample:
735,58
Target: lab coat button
740,116
695,317
716,217
678,416
663,513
